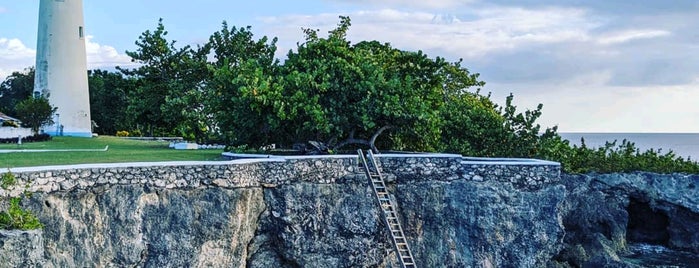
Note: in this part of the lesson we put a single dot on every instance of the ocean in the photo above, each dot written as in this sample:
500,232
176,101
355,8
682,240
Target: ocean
682,144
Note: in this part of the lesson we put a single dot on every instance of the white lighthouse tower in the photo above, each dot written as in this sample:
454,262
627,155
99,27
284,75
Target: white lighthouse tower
61,66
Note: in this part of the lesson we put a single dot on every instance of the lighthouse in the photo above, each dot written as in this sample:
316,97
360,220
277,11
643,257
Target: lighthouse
61,67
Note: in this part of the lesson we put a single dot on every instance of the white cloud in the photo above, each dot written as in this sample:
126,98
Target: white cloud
630,35
588,104
16,56
594,71
430,4
103,56
492,30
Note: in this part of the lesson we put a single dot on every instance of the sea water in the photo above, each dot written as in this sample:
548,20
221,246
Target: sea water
682,144
657,256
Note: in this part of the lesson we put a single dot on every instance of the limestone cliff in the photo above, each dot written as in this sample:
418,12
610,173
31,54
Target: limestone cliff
296,216
605,212
308,212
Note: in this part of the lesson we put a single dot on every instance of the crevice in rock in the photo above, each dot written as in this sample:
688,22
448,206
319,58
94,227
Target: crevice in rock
646,224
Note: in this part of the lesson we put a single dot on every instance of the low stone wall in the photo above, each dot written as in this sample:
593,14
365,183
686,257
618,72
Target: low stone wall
270,172
528,174
13,132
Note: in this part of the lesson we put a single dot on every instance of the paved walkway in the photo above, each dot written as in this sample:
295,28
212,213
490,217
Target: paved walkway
52,150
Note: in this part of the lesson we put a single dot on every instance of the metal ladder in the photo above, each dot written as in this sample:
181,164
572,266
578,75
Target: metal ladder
390,214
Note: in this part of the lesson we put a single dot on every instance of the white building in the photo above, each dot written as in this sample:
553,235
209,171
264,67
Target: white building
61,66
12,131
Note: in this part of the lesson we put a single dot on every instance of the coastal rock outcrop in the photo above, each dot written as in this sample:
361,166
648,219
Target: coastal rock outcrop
132,226
300,213
606,212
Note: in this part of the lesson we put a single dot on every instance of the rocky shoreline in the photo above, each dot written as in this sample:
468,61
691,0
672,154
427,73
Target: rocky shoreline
320,213
607,212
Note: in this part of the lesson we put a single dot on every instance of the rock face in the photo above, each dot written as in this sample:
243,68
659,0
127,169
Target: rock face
311,212
454,216
603,213
21,249
132,226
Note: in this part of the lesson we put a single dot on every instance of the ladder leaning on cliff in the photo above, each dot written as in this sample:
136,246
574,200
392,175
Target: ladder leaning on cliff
390,215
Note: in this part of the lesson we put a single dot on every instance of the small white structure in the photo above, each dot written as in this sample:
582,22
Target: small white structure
11,131
186,146
61,66
14,132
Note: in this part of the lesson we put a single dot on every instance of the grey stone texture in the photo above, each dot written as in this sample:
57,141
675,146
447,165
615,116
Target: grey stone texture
320,212
603,213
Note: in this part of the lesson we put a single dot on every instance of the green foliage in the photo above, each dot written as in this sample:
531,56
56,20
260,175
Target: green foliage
122,133
17,218
243,87
10,124
613,157
109,100
7,180
345,94
16,88
367,94
35,113
166,96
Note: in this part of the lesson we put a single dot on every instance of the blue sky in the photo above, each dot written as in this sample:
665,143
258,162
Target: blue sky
597,65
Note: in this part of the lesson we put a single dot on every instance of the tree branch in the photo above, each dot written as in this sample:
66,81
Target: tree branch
375,136
351,141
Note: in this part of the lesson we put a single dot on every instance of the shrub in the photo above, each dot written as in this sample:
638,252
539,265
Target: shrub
7,180
613,157
122,133
17,218
136,133
10,124
33,138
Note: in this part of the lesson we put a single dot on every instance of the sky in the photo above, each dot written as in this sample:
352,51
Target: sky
595,65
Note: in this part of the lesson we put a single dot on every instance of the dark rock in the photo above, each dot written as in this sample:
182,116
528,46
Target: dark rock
603,213
21,249
127,226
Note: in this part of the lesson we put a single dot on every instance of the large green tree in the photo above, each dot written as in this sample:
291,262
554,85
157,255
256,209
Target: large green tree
109,100
243,88
16,88
35,113
342,93
164,72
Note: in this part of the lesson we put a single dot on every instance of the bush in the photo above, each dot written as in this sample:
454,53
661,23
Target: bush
135,133
10,124
624,157
33,138
16,217
7,180
122,133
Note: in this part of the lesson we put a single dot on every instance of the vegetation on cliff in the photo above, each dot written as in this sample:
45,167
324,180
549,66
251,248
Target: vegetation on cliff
233,90
12,215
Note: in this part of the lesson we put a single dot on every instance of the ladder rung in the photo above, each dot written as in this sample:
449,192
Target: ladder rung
390,214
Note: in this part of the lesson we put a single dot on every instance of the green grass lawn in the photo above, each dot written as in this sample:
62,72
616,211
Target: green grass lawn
120,150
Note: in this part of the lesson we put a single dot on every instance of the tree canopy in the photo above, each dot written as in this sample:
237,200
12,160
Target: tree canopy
16,87
35,113
328,90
